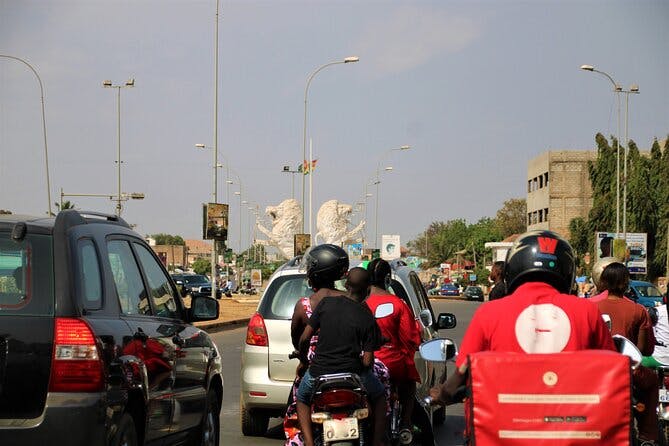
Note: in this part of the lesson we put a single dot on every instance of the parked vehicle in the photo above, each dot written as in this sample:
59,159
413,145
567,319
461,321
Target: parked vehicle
266,372
644,293
96,346
473,293
195,285
448,289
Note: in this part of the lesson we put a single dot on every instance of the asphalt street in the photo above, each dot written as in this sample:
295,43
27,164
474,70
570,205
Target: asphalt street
230,345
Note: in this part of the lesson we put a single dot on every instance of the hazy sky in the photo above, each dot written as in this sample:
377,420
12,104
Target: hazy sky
476,88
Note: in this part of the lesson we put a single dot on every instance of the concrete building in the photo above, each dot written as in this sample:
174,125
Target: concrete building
558,189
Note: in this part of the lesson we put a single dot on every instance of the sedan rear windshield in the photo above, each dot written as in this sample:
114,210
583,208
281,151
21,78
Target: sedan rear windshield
26,276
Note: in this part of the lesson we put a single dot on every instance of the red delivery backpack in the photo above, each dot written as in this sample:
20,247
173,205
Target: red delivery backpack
569,398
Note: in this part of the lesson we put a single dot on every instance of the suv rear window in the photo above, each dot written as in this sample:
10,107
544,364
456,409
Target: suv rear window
26,276
279,299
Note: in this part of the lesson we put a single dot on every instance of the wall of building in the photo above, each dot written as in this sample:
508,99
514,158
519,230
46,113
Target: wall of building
558,189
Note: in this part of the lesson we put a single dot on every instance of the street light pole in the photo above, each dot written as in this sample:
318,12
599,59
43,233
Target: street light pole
378,180
616,89
286,169
634,89
128,84
46,151
351,59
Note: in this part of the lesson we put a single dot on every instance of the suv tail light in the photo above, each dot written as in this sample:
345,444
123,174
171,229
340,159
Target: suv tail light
256,333
76,364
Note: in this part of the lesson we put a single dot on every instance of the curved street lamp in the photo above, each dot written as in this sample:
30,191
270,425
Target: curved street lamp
46,152
350,59
377,182
617,89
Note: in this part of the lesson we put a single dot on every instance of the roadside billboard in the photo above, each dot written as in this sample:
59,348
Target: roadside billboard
215,221
354,251
256,278
632,250
301,242
390,247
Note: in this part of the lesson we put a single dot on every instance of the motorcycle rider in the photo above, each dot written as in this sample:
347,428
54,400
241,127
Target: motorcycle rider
631,320
347,338
539,274
400,329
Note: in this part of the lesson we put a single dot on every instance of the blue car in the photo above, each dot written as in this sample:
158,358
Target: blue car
448,289
644,293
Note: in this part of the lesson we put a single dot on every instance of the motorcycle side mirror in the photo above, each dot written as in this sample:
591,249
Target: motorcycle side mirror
627,348
438,350
425,318
446,320
384,310
607,320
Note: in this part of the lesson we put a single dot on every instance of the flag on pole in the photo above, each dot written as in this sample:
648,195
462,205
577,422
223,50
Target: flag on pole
306,167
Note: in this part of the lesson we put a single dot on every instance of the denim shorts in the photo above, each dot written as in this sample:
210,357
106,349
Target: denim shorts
372,385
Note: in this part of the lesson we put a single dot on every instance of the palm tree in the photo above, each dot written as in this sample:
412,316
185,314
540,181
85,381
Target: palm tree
67,204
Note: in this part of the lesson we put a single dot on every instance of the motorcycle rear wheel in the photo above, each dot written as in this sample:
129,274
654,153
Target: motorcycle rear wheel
663,437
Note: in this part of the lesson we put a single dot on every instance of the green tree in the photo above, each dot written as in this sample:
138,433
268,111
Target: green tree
202,266
167,239
512,217
67,204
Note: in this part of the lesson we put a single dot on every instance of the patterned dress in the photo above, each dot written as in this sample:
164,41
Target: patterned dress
291,426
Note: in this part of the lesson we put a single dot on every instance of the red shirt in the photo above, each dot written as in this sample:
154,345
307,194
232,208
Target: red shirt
628,319
401,330
535,318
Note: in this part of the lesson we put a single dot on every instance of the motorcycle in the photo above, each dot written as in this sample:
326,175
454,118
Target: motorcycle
528,401
339,410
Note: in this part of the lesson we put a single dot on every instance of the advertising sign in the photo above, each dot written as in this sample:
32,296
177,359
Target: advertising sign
216,221
632,251
256,277
301,242
390,247
355,251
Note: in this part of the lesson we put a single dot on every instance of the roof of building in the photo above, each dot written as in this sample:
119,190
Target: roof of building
195,246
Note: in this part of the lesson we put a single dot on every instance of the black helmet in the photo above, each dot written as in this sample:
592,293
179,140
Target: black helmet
325,264
540,256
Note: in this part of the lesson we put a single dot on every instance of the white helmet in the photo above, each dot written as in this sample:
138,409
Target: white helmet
598,269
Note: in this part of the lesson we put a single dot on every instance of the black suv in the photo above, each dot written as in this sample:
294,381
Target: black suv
96,346
195,285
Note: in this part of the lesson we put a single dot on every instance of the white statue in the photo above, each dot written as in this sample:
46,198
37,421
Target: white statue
286,222
332,223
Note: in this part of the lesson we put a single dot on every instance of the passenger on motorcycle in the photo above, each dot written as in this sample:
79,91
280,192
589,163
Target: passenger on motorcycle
631,320
399,328
347,338
537,316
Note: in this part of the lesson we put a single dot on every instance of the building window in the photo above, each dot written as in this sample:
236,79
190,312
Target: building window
529,218
546,178
541,215
541,182
529,186
545,214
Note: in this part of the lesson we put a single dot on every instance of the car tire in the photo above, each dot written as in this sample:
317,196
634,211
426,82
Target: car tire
254,424
209,431
126,435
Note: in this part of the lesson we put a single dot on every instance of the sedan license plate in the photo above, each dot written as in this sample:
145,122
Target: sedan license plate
664,396
344,429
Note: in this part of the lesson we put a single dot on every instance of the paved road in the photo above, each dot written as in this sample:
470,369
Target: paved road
230,345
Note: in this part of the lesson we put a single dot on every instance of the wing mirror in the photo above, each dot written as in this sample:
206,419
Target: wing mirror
446,321
627,348
425,318
203,309
438,350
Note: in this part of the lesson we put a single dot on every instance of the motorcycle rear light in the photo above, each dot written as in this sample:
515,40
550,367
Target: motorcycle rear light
337,398
257,394
256,333
76,364
361,414
320,417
